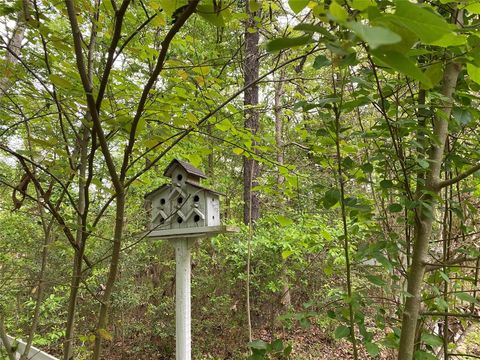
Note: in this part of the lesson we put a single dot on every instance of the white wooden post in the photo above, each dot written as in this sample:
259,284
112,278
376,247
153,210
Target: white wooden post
183,320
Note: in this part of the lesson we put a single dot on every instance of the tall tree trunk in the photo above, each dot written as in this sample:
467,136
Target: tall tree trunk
286,299
14,46
4,338
101,331
47,236
81,237
251,65
425,217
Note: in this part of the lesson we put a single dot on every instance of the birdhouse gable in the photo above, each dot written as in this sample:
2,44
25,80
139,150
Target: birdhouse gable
181,171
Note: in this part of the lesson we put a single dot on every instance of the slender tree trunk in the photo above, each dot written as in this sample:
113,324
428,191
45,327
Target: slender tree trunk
81,238
15,46
4,338
211,160
286,299
112,274
47,231
251,65
341,182
425,216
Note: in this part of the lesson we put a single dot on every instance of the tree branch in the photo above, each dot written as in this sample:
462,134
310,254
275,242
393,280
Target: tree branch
117,33
459,177
180,21
88,88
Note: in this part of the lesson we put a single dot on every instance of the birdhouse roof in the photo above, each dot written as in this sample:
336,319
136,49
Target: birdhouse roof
189,168
153,192
204,188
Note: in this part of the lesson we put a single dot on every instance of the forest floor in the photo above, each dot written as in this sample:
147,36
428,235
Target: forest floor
314,344
308,344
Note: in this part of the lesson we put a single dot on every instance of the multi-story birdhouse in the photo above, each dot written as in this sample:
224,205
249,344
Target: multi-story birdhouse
183,203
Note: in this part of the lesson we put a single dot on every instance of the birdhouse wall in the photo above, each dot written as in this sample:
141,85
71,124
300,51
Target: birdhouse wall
189,207
160,207
179,176
213,210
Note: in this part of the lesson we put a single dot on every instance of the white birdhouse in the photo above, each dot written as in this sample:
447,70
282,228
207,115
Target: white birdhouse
183,203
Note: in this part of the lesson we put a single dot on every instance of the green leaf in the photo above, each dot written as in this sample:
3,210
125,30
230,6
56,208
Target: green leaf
277,345
432,340
372,349
461,115
422,355
473,72
342,331
104,334
253,5
375,36
435,73
337,12
423,163
170,6
286,43
297,5
425,23
59,81
331,197
376,280
7,9
212,16
395,208
444,276
321,61
450,39
386,184
467,297
474,7
286,254
258,345
284,221
402,64
367,168
363,4
238,151
224,125
328,270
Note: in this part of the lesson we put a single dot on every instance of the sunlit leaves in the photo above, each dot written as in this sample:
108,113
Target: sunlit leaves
285,43
402,64
337,12
473,72
375,36
363,4
210,14
298,5
60,81
427,25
